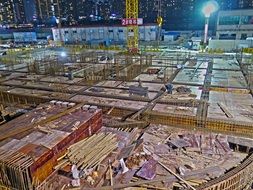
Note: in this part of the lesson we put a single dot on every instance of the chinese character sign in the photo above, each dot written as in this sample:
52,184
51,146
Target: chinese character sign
131,21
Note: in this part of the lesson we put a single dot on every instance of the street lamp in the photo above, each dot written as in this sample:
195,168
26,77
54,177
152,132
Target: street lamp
209,8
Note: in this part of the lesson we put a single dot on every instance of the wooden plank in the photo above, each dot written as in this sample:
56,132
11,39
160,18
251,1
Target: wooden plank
169,178
177,176
225,110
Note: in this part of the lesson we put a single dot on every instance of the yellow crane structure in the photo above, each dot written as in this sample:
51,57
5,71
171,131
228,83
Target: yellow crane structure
159,21
132,11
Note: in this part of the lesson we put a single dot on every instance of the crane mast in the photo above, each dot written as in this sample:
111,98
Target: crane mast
132,30
159,21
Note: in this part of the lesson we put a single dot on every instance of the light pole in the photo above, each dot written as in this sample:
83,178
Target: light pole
209,8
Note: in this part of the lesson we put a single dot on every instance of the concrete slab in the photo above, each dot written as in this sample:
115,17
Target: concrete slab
194,95
39,93
151,86
116,92
135,105
190,111
228,79
109,83
60,79
187,76
238,105
225,64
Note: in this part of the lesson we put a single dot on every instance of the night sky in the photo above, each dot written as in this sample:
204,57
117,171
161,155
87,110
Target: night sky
177,14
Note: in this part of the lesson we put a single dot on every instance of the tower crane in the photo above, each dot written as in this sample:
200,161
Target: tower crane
132,26
159,21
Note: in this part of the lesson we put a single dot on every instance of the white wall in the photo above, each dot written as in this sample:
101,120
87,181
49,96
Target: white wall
229,45
116,34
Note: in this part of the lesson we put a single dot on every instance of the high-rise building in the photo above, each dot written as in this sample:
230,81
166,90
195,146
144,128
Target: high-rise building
245,4
6,12
187,14
84,9
30,10
48,8
177,14
118,8
12,11
19,11
69,11
104,9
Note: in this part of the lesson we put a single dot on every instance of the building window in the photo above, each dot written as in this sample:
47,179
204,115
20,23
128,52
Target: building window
66,32
247,20
227,36
120,30
110,30
74,31
244,36
229,20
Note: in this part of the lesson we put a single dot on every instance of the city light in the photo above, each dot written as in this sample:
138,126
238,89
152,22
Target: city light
209,8
63,54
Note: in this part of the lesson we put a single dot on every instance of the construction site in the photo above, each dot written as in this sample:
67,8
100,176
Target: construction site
82,118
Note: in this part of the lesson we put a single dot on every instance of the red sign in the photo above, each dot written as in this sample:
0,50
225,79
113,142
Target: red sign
131,21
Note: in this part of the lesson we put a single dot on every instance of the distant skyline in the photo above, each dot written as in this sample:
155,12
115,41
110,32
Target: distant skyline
177,14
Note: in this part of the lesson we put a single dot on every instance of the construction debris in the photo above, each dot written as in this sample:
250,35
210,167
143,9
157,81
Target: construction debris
90,152
183,90
179,153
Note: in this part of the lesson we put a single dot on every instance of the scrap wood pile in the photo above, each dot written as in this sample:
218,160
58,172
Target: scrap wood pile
183,90
90,152
167,157
161,158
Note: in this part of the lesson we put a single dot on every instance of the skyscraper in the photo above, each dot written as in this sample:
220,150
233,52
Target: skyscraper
19,11
30,10
6,12
177,14
48,8
12,11
245,4
69,11
85,8
118,8
104,9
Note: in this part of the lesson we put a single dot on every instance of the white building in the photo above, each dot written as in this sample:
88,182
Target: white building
235,25
103,34
234,30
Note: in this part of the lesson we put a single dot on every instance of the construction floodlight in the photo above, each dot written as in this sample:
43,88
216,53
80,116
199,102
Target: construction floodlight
209,8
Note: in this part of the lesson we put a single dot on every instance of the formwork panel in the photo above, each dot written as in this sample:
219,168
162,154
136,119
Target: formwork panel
191,122
42,153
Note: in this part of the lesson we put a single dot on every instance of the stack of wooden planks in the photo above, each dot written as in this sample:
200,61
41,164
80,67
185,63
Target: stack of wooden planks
90,152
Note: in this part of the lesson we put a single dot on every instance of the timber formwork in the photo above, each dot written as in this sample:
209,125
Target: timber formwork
10,98
27,159
192,122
